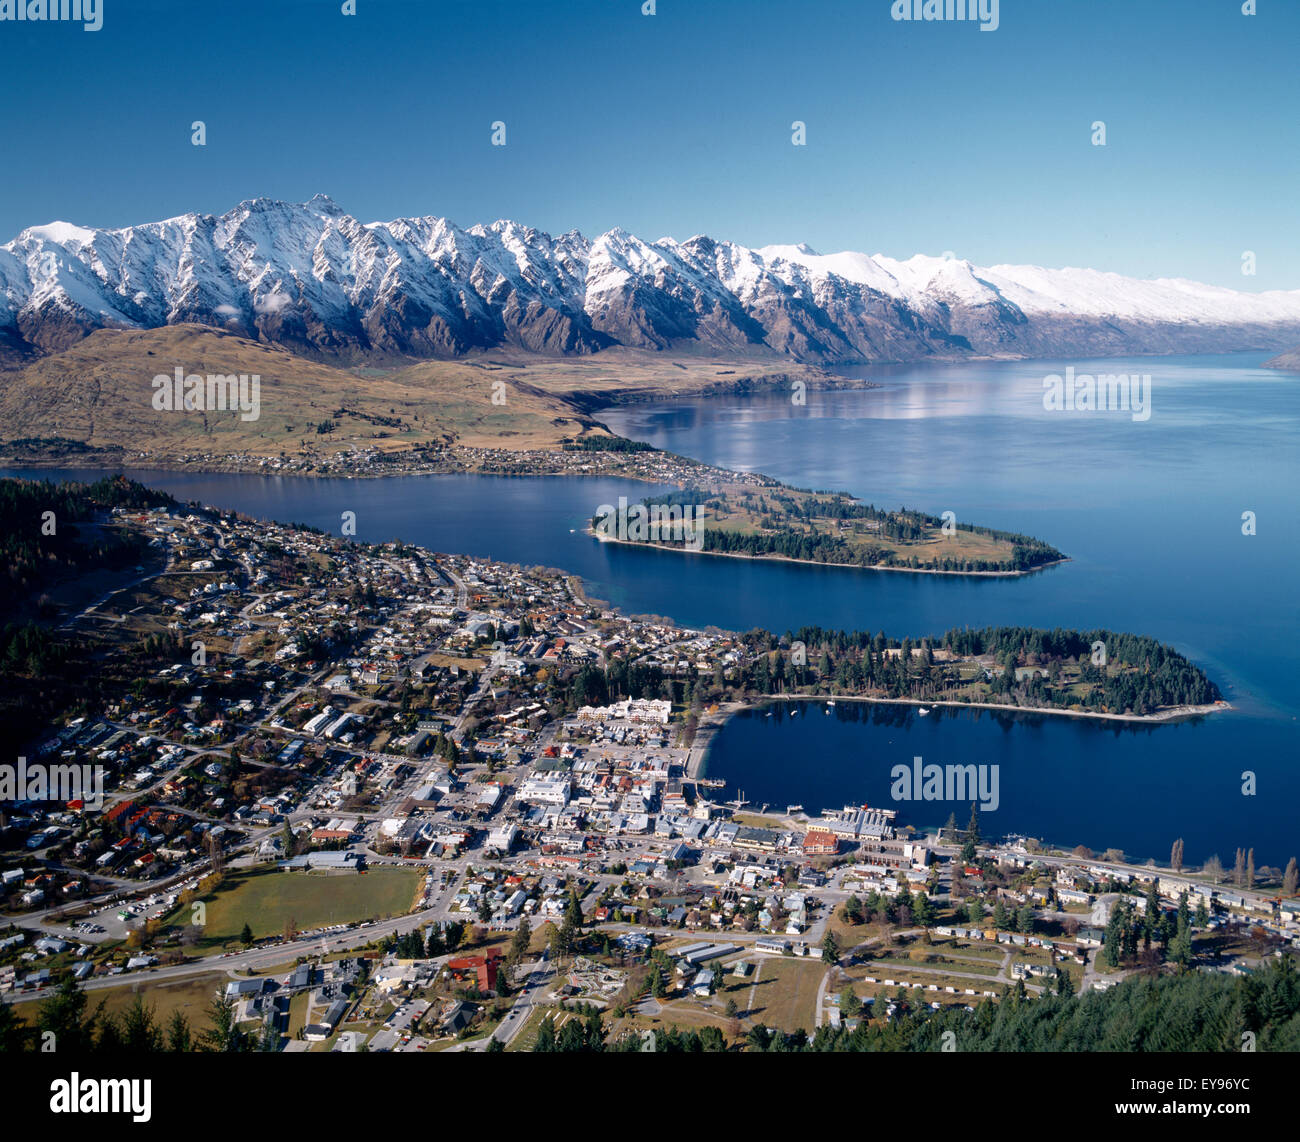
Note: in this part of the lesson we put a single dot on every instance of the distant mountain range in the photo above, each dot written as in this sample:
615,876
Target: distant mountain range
1289,360
312,279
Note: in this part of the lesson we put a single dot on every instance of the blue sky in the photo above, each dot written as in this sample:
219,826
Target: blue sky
922,137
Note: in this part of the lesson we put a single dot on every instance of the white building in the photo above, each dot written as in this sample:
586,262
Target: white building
631,710
502,838
545,790
335,728
315,724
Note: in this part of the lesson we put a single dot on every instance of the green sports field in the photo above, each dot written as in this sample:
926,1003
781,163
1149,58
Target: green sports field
268,900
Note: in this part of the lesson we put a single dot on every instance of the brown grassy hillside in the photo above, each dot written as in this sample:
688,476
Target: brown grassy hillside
99,392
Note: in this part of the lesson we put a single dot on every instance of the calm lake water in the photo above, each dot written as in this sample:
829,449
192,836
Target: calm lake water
1069,780
1150,513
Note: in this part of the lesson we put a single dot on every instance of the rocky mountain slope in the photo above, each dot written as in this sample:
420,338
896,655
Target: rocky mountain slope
312,279
1290,360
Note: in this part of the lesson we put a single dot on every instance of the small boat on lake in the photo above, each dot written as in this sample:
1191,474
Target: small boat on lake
923,711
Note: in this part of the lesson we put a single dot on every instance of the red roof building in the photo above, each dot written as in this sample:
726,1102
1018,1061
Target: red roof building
482,969
820,842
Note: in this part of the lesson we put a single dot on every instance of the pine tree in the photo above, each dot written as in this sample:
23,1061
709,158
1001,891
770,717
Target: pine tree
830,949
1151,916
140,1032
179,1040
562,939
573,911
853,910
850,1004
1289,878
1112,943
269,1040
224,1033
109,1040
1131,931
64,1015
519,943
434,946
922,912
545,1040
1180,948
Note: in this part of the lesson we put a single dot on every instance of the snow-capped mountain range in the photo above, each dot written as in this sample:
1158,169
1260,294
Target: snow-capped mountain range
315,280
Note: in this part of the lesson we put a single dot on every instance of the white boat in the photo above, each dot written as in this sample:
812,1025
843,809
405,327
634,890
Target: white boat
923,711
831,702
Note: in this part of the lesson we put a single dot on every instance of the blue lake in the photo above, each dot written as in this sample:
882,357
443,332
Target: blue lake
1150,513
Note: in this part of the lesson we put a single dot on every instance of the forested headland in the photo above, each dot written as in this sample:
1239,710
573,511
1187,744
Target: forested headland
833,528
1097,671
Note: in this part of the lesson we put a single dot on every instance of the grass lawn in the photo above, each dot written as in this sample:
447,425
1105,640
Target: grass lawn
1029,955
967,950
910,980
851,935
188,996
846,935
524,1039
785,994
298,1013
755,821
267,900
937,962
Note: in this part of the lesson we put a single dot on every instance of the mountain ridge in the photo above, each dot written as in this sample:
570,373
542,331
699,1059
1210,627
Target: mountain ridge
1289,361
312,278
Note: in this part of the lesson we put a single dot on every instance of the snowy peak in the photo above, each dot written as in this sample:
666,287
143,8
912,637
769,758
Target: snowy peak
311,277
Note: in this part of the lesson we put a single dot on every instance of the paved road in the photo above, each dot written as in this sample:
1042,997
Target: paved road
258,958
539,975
